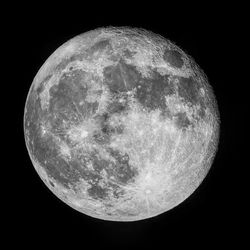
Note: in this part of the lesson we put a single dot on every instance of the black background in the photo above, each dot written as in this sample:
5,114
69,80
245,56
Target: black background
210,216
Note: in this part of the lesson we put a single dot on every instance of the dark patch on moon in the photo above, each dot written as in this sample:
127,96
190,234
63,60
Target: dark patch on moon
42,84
121,78
173,57
100,46
123,171
75,57
65,173
70,92
150,92
114,79
43,148
188,88
120,171
97,192
182,120
103,135
117,107
60,96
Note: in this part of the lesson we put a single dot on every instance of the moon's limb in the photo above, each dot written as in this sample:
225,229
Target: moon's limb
165,143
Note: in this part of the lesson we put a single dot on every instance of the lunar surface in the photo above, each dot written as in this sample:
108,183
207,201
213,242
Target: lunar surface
121,124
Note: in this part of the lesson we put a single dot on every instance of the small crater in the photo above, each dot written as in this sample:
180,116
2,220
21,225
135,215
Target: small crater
51,183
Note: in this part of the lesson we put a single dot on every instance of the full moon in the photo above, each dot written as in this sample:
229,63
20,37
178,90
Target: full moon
121,124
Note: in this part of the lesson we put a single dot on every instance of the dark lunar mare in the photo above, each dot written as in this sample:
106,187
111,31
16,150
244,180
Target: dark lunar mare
64,105
173,57
151,91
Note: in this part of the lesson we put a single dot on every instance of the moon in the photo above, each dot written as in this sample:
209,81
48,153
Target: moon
121,124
